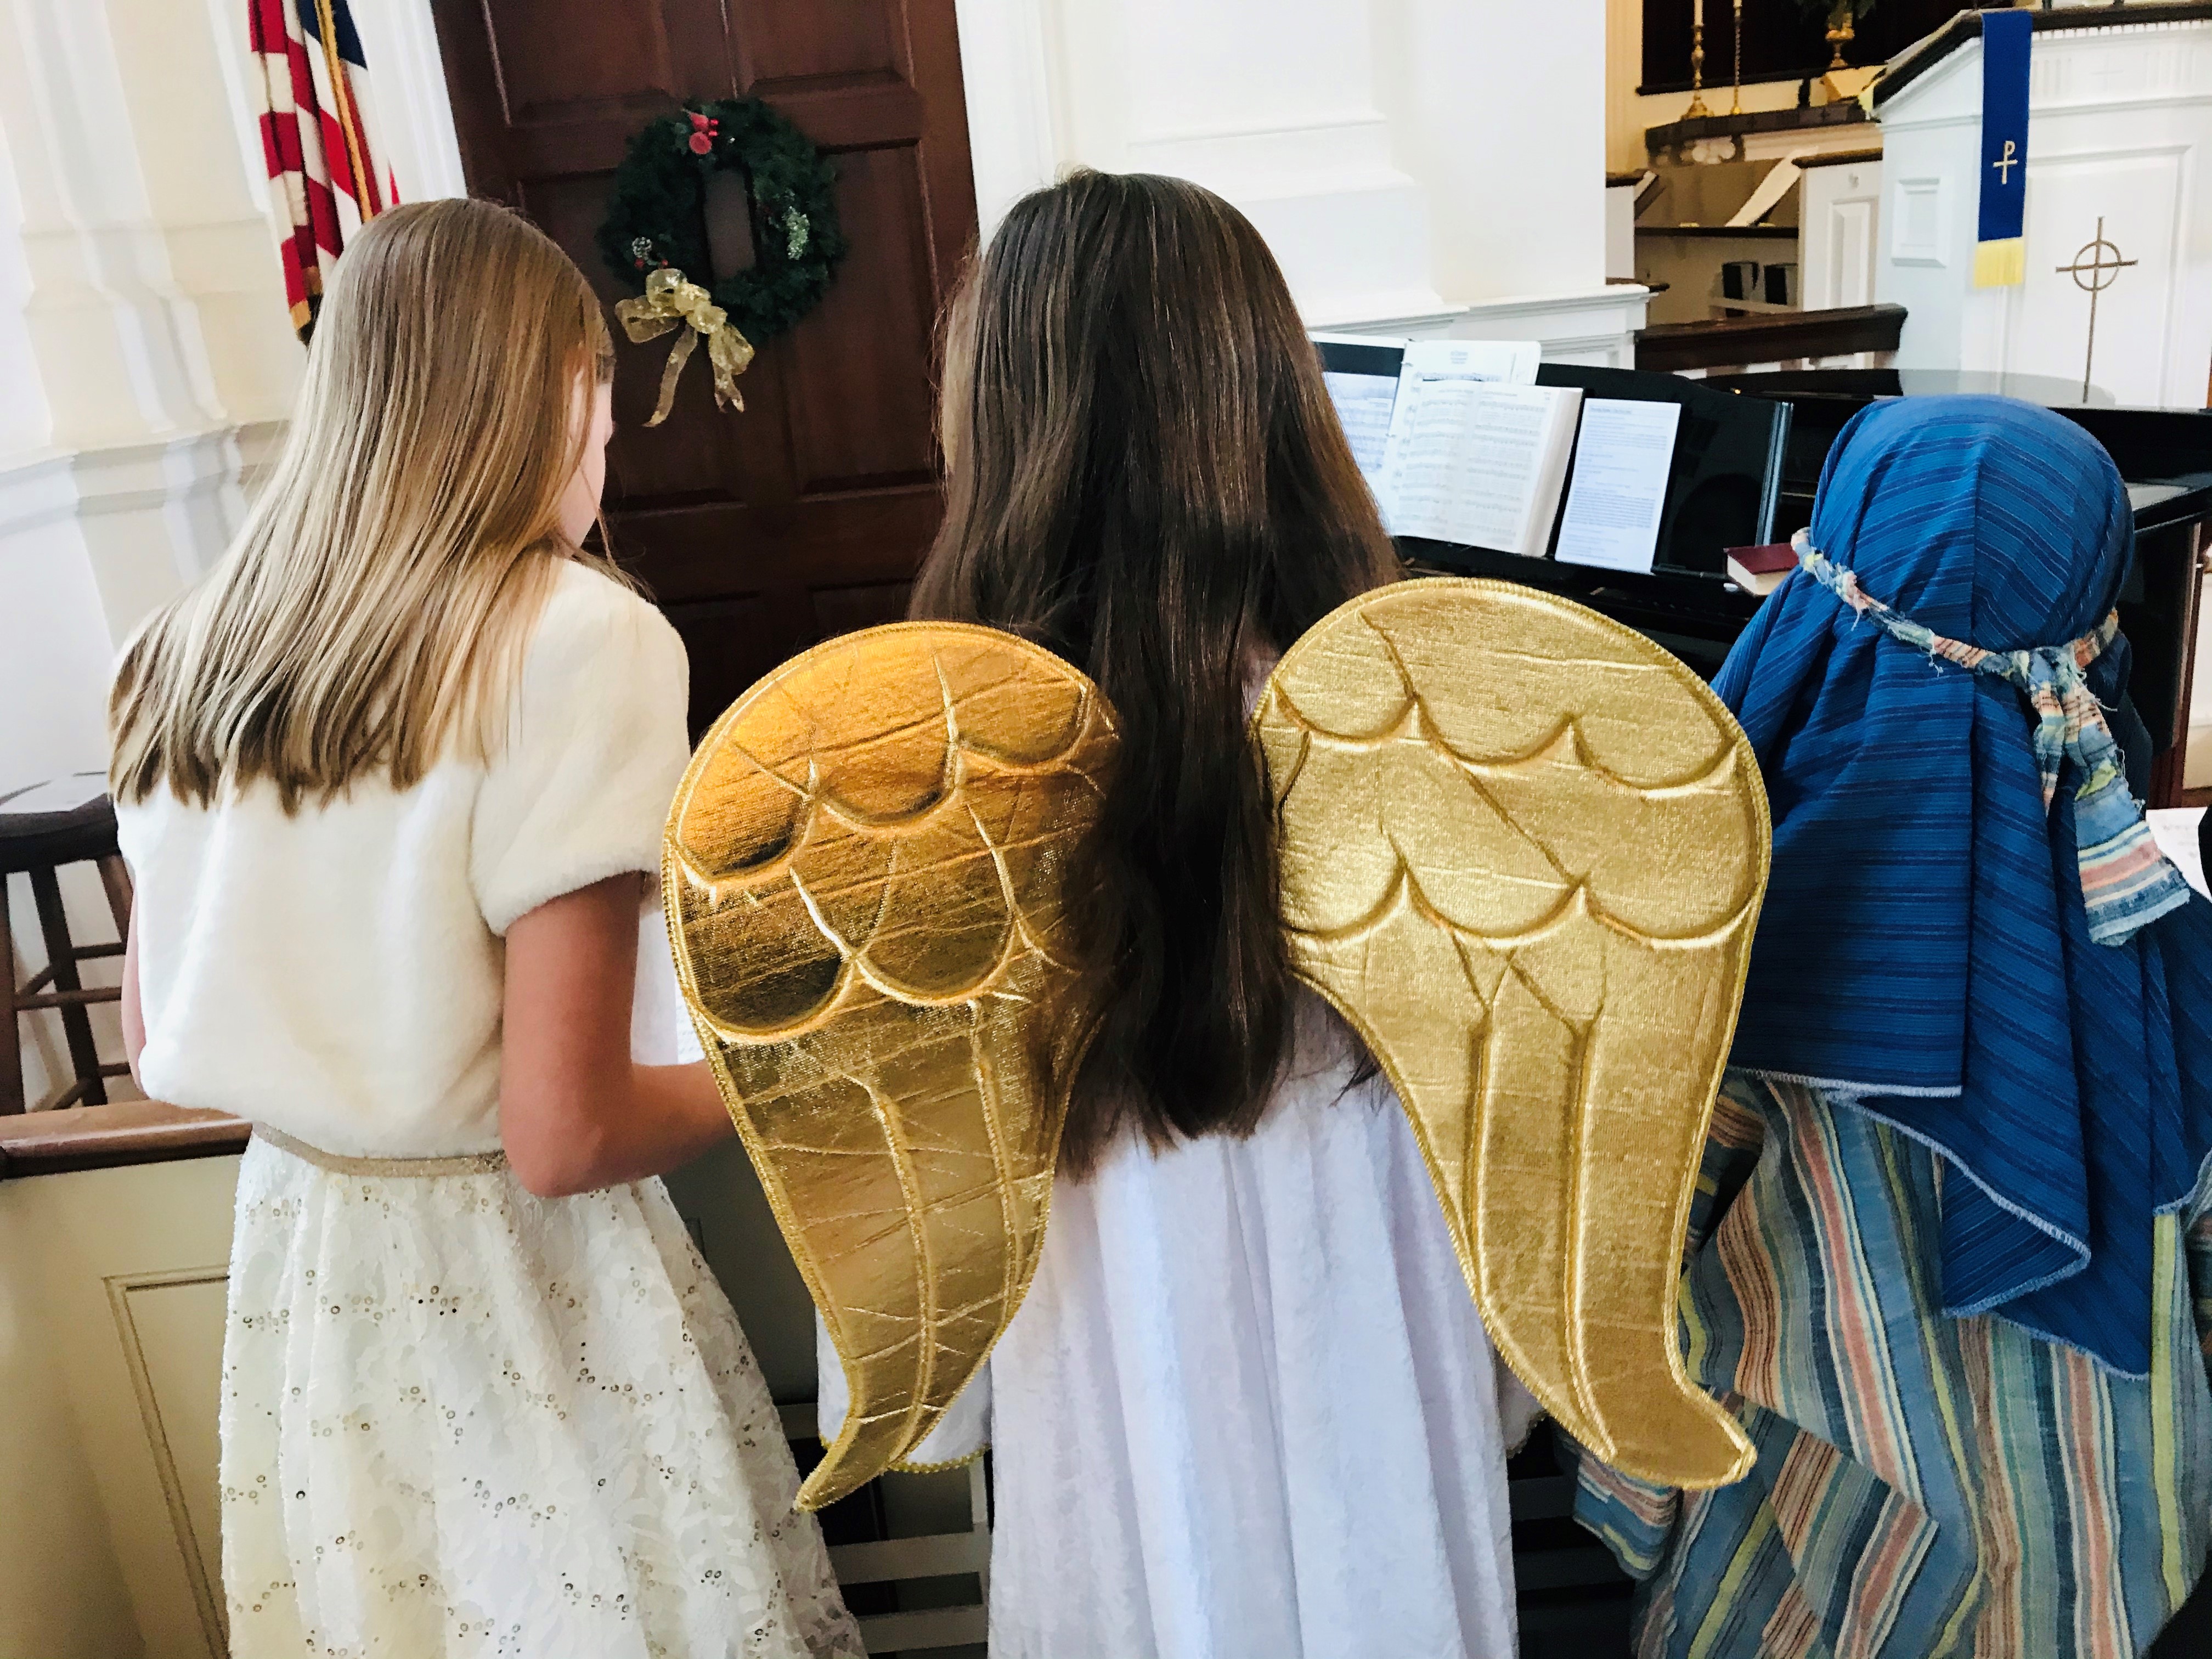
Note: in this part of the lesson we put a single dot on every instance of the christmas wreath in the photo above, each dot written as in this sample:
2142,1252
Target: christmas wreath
655,232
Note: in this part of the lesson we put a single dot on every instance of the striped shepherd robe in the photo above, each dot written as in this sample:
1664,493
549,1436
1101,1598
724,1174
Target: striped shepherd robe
1925,1486
327,175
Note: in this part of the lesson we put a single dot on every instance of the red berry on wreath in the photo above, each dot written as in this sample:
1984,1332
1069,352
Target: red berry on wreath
700,143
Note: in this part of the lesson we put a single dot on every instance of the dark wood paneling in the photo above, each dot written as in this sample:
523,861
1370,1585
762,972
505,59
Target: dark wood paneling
1775,337
805,515
554,66
1780,42
786,42
875,330
731,644
108,1137
841,609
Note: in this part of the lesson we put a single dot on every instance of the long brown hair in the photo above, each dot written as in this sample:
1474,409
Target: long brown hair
1144,474
376,604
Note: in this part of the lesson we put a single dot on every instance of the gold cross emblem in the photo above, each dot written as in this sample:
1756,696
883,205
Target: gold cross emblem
2005,163
2093,273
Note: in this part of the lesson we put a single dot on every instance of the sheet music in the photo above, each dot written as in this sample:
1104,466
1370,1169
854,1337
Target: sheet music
1513,362
2174,828
1363,402
1618,494
1466,454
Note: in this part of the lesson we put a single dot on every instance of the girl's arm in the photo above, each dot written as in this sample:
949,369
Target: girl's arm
134,1014
576,1112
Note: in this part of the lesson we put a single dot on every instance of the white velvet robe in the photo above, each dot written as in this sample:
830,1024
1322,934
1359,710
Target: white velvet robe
1247,1410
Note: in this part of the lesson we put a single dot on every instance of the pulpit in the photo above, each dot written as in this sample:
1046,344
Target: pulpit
2118,298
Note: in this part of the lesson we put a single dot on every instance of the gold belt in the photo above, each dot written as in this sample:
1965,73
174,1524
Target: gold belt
462,1164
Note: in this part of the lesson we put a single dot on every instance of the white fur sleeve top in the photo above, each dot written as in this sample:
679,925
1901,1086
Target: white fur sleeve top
338,973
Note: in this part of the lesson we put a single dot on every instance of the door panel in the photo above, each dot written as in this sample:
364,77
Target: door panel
781,41
550,70
875,333
805,515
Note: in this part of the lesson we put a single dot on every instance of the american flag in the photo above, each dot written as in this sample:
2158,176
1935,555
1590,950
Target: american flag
326,173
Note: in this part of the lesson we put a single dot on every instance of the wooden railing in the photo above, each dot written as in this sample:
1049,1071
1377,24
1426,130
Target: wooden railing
1769,337
105,1137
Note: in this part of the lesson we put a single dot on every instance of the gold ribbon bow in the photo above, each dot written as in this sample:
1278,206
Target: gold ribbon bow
672,301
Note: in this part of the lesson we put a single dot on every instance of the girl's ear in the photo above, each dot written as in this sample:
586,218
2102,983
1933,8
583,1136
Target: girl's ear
592,412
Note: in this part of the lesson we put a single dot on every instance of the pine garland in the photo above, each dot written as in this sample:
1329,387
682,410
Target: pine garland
656,211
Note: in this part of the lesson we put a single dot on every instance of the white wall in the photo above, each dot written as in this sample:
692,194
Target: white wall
111,1342
145,362
146,357
1418,166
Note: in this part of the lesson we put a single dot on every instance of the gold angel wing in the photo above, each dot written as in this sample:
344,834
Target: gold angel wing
1523,852
863,878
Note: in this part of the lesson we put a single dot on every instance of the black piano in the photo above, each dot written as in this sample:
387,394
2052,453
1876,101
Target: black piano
1726,491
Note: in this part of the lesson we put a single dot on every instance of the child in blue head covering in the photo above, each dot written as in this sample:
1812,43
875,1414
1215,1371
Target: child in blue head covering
1944,1259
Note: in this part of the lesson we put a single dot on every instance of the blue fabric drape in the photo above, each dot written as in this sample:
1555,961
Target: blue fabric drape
1923,948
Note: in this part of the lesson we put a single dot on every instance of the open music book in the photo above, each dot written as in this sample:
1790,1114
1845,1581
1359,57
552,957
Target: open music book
1460,444
1456,441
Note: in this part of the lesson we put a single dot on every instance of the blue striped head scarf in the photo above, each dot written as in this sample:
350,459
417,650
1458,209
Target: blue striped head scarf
1925,950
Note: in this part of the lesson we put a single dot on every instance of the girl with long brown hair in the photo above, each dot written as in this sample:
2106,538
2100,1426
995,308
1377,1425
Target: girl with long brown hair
389,780
1248,1408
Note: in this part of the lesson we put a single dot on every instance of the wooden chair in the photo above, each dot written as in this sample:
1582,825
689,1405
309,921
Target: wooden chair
42,828
893,1561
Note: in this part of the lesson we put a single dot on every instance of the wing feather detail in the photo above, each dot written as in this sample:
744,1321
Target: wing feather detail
863,874
1523,852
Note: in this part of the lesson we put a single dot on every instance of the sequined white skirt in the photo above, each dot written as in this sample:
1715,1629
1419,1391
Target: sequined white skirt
461,1420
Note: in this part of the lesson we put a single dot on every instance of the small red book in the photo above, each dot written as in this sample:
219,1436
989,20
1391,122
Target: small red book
1761,569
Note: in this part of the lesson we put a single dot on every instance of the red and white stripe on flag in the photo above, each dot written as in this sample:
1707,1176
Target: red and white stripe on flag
326,171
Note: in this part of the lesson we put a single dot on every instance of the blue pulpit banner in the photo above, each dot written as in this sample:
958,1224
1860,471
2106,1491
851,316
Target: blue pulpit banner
2000,245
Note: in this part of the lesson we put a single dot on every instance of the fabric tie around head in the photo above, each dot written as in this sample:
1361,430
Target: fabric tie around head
2126,882
1926,950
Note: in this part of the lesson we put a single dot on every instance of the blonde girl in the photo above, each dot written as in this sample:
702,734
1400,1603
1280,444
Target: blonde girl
389,780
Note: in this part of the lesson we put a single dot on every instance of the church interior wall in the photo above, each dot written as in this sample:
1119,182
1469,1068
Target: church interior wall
1420,167
145,359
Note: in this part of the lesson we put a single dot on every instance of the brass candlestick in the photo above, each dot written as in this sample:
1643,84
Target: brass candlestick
1841,34
1697,111
1735,74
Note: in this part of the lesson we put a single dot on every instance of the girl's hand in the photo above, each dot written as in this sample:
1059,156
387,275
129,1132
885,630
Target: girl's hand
575,1113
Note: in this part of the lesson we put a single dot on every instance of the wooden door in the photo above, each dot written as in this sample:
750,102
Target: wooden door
803,516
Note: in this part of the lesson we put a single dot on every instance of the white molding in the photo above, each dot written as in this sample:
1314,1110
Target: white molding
1008,68
76,97
1932,252
167,473
2097,106
1960,76
1602,321
37,492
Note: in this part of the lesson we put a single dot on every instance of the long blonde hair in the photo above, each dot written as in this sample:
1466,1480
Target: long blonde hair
375,608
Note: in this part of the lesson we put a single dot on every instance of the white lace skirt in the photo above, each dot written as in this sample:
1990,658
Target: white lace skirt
461,1420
